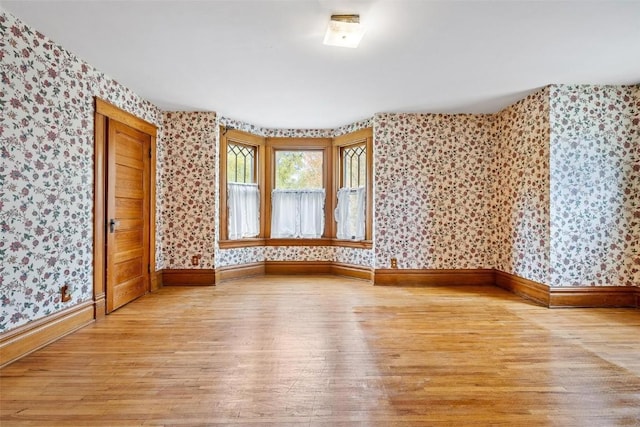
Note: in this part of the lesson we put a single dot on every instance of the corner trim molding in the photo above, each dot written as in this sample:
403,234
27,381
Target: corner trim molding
185,277
353,271
569,296
26,339
539,293
525,288
437,277
239,271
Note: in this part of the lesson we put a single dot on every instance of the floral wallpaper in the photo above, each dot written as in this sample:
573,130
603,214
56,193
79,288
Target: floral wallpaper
46,171
353,256
275,133
501,218
547,189
432,194
238,256
520,195
595,185
188,202
352,127
298,253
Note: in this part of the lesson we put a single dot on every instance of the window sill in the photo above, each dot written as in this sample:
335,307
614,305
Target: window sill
241,243
362,244
246,243
323,241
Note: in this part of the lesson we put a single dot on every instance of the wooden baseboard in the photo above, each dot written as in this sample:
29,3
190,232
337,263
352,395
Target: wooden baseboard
239,271
569,296
398,277
201,277
156,280
292,267
525,288
354,271
582,296
26,339
99,307
298,267
593,296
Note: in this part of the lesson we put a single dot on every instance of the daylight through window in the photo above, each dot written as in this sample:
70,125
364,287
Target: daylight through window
298,199
295,191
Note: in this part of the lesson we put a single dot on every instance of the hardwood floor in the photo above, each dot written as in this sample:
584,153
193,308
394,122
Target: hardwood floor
286,350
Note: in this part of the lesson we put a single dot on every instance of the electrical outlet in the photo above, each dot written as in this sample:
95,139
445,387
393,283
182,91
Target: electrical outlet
394,262
65,296
195,260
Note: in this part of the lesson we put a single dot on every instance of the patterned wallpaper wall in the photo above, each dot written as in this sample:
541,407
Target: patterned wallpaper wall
189,190
474,191
520,193
595,185
46,171
433,190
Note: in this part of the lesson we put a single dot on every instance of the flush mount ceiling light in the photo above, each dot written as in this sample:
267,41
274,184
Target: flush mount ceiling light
344,31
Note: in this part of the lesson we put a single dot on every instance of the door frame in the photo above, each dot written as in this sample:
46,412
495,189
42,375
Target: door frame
104,111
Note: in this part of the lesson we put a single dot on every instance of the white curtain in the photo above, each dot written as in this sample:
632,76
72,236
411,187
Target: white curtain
297,213
243,201
349,214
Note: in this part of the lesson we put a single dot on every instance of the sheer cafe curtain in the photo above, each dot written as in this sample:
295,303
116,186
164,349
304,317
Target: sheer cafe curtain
349,214
297,213
243,201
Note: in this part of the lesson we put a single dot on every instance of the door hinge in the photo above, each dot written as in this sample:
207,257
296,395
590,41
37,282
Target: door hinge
149,152
148,268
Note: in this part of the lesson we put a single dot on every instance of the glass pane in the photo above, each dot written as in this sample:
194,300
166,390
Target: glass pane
354,170
353,214
299,169
241,163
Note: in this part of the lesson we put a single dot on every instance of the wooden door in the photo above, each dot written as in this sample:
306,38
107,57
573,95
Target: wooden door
128,202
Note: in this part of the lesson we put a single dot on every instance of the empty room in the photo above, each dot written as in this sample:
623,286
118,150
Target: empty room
319,212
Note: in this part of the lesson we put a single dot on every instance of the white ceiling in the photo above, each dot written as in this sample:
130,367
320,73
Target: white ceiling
263,61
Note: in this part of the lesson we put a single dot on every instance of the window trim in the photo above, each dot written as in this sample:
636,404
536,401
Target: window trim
299,144
265,177
362,136
234,136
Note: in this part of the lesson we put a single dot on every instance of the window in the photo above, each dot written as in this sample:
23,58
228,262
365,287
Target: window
350,210
283,191
241,185
241,163
353,211
354,165
299,173
243,196
298,199
299,169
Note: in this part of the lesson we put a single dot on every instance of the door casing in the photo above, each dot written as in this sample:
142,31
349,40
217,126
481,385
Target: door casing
104,112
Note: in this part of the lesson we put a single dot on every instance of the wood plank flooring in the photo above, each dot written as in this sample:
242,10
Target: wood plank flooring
285,350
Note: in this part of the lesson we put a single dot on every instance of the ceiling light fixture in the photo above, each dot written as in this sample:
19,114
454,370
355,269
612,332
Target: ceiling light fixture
344,31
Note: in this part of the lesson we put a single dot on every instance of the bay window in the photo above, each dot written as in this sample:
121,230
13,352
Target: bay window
295,191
